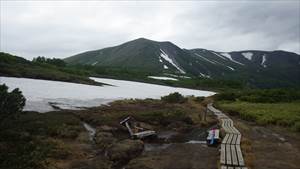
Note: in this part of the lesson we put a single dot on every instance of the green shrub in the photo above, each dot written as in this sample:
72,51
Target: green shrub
174,98
199,99
10,102
230,96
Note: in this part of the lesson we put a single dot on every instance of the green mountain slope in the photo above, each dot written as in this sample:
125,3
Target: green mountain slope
256,68
15,66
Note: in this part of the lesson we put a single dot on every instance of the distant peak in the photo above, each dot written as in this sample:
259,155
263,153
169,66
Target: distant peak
142,39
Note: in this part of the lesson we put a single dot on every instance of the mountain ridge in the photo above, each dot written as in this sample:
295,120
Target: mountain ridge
253,66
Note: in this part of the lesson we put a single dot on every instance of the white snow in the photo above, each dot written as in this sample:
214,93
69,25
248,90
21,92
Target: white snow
94,63
264,59
160,60
39,93
162,78
166,67
218,55
186,77
168,59
227,55
204,75
205,58
231,68
248,55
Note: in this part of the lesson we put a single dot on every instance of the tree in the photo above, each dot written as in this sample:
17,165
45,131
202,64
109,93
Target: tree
11,103
53,61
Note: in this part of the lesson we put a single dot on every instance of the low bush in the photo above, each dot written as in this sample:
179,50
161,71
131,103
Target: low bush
11,103
261,96
174,98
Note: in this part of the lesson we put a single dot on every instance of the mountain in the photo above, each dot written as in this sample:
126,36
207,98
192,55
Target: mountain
258,68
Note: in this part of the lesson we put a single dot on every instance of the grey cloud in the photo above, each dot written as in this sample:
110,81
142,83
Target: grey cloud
61,29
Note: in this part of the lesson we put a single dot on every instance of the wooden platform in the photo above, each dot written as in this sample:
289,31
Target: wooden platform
231,156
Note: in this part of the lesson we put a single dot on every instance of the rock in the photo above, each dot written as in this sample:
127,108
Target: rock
125,150
103,140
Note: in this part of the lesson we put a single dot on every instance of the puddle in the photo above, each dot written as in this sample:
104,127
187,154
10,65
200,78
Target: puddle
166,138
196,142
155,146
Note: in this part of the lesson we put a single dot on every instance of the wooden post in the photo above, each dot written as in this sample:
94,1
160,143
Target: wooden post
203,117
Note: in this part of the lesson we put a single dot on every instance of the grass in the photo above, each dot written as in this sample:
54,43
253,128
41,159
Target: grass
281,114
31,139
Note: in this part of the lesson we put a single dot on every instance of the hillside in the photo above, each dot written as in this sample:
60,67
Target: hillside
16,66
264,69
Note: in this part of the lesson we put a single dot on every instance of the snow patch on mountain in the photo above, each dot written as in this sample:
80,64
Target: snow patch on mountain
160,60
166,67
227,55
177,76
205,58
94,63
264,59
204,75
218,55
231,68
162,78
168,59
248,55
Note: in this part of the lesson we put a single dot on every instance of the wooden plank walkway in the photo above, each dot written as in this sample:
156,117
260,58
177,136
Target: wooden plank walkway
231,156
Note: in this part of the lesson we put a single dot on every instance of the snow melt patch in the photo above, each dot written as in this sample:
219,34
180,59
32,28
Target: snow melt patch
248,55
94,63
162,78
39,93
160,60
166,67
168,59
205,58
185,77
231,68
227,55
204,75
264,59
218,55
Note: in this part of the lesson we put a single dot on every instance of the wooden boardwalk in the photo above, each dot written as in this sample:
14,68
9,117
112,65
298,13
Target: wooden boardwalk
231,156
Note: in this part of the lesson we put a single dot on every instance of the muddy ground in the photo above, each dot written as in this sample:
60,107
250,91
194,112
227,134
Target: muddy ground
180,141
269,147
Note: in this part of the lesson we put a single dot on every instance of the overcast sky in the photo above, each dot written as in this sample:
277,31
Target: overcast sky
62,29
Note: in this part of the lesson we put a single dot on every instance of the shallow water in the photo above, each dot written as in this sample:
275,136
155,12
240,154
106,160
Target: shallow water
64,95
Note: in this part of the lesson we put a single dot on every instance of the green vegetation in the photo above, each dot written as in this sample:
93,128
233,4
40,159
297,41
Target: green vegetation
11,103
49,69
33,139
281,114
29,139
174,98
266,107
261,96
53,61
